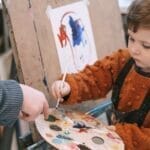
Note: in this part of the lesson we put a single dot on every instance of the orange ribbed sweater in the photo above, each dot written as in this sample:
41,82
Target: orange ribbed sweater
96,81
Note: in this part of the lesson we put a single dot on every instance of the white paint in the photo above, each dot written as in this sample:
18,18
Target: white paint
87,2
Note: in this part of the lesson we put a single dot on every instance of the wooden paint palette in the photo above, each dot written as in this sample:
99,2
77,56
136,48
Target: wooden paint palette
68,130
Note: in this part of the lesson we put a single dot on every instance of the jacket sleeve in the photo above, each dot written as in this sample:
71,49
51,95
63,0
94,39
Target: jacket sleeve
11,98
96,80
134,137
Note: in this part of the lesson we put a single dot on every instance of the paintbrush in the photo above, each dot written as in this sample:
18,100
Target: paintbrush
61,86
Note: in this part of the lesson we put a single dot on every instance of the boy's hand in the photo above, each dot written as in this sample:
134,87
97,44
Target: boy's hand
60,89
34,103
111,127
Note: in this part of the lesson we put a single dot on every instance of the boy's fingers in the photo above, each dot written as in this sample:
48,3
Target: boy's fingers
111,127
56,90
61,100
65,90
60,91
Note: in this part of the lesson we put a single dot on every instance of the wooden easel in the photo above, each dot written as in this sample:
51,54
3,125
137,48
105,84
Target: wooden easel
33,42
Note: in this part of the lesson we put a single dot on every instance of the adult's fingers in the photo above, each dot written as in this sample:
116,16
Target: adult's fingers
20,115
25,116
46,110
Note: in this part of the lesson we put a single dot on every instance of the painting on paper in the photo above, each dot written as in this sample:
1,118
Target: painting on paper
73,36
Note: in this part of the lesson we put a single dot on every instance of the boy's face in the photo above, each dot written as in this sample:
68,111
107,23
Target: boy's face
139,47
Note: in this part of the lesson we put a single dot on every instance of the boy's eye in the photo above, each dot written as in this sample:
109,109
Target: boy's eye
146,46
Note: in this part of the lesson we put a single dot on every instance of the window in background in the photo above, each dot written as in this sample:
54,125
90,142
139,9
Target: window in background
124,4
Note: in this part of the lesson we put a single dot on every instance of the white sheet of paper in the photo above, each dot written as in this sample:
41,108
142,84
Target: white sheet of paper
73,36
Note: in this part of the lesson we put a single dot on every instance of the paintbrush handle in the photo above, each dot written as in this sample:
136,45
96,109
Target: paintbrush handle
61,87
57,104
63,80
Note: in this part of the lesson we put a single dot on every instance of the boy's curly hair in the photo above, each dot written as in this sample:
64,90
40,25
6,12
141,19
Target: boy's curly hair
139,15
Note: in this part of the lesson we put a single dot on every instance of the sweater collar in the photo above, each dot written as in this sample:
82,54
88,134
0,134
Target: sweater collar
141,72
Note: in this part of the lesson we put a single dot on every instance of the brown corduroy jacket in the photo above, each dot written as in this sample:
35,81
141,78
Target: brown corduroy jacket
95,81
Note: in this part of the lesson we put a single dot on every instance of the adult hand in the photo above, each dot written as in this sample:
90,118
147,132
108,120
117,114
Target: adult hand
34,103
60,89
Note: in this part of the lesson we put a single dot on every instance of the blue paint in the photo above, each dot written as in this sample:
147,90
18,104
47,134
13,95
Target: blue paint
57,141
60,139
80,124
77,31
64,137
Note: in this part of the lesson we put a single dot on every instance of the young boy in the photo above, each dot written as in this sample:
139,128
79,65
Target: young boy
127,72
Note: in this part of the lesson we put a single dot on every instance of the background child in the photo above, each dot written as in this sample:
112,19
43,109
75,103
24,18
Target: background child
127,72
